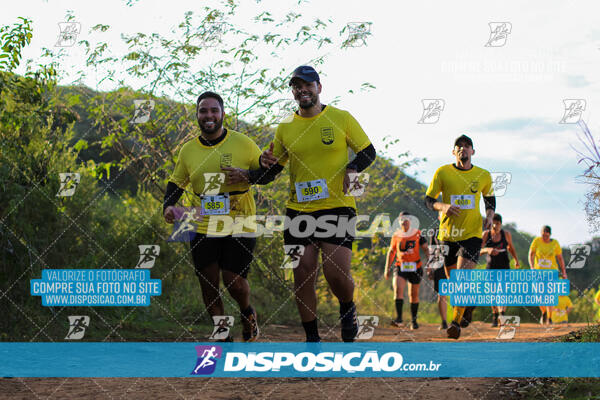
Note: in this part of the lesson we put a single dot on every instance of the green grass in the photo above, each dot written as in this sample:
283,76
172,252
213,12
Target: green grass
569,388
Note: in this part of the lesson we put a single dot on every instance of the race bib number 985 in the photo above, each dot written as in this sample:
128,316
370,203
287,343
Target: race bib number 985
463,201
311,190
215,205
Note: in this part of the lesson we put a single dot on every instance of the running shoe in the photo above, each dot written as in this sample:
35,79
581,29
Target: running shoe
250,332
414,325
495,321
453,331
397,322
443,326
467,317
349,325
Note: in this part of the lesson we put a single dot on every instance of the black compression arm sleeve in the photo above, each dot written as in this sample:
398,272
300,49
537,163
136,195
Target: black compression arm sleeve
429,202
363,159
172,195
262,176
490,202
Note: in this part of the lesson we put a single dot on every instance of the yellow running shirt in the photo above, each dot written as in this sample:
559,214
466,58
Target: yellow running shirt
559,312
200,166
317,150
545,253
464,189
597,298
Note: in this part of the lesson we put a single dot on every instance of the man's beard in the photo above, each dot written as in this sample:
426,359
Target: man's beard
209,131
308,104
464,158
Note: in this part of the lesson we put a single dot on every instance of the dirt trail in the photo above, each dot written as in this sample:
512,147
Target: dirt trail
296,388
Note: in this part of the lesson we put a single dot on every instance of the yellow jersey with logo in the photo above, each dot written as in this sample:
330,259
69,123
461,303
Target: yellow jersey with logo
199,166
559,312
462,188
545,253
317,151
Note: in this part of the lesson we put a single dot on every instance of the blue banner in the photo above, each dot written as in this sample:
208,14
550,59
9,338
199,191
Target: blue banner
95,287
505,287
300,359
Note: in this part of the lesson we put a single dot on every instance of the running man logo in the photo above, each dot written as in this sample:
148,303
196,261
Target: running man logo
499,32
432,109
148,254
508,326
574,109
293,252
207,359
222,325
579,255
358,32
500,182
77,326
213,182
436,255
68,34
142,111
358,183
184,228
366,326
213,33
327,135
68,184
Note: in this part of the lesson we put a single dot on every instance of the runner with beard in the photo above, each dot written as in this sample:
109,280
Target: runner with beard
461,185
203,163
314,141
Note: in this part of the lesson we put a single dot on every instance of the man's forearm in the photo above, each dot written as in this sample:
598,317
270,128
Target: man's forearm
262,176
172,195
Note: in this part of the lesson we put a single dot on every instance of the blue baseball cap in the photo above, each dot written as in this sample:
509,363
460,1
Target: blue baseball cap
306,73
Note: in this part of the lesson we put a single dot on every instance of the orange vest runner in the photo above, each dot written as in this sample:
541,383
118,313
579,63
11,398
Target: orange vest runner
408,247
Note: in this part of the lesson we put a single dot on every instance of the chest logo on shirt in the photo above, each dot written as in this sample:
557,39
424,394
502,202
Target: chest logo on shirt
327,135
474,186
408,246
226,159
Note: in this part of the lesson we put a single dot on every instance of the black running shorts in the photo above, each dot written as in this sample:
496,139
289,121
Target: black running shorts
468,248
299,231
233,254
413,277
438,274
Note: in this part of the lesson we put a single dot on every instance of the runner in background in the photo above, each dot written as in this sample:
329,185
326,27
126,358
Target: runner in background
543,254
404,256
497,243
461,185
435,271
597,301
560,312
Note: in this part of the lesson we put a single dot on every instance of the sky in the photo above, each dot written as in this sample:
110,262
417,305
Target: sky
508,96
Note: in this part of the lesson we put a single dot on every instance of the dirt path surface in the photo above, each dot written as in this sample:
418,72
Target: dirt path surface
295,388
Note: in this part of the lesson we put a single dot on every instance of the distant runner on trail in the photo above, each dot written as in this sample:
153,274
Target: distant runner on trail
405,258
497,243
543,254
